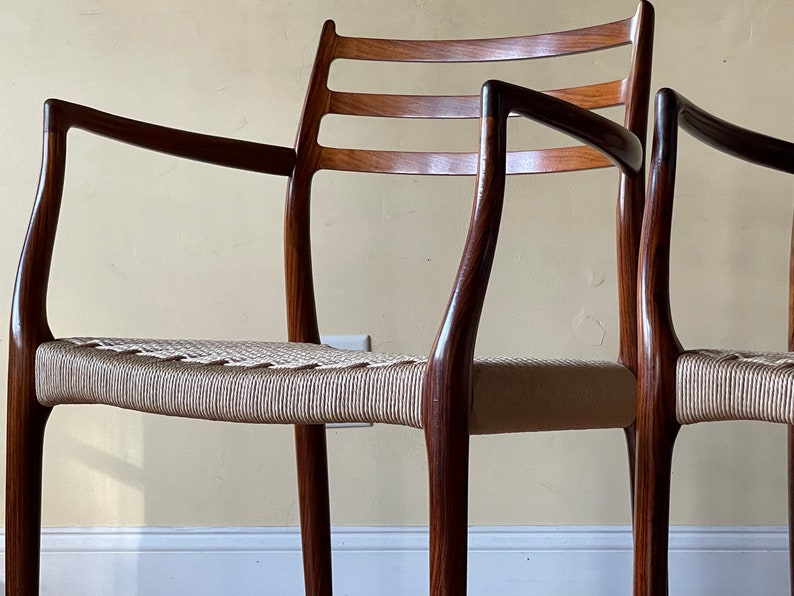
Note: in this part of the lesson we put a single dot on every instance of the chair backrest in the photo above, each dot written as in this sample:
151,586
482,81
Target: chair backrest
631,91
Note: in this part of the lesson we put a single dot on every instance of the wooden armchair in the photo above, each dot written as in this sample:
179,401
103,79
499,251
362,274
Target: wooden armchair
447,393
680,386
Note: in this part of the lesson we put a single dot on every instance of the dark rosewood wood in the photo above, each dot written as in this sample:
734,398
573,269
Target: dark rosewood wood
302,323
26,418
790,433
448,380
601,95
232,153
790,460
630,432
631,196
29,326
558,159
315,516
657,424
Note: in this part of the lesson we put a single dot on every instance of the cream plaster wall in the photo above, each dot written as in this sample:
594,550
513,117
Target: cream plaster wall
150,245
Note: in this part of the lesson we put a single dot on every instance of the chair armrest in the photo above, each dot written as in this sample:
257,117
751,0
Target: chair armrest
60,116
29,325
500,99
658,337
454,346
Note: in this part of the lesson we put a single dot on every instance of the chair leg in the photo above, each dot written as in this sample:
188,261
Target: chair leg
631,446
24,447
448,466
315,517
791,507
652,506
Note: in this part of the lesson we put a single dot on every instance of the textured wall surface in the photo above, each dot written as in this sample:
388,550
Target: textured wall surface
153,246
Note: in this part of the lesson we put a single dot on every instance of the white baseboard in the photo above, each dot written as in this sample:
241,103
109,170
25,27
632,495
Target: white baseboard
503,561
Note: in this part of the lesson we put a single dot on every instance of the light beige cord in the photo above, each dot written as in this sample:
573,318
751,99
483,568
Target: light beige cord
296,383
731,385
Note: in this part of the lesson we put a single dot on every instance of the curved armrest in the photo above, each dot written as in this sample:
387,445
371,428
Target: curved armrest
60,116
454,345
500,99
29,325
724,136
674,111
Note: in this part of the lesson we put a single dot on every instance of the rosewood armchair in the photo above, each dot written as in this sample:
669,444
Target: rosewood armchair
448,393
679,386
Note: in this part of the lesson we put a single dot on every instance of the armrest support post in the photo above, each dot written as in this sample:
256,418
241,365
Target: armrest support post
453,351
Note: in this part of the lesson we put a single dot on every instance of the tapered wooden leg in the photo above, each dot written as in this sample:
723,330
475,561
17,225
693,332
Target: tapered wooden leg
791,507
631,446
448,463
652,506
24,445
314,508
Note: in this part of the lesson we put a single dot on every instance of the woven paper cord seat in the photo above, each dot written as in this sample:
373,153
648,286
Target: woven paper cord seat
308,383
716,385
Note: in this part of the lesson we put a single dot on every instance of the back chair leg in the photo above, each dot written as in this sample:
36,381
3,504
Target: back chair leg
315,516
652,507
24,447
448,466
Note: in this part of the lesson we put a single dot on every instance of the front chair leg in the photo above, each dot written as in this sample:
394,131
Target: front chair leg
652,506
24,447
314,508
791,507
448,466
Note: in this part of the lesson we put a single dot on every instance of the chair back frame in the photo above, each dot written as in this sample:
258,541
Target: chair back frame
633,91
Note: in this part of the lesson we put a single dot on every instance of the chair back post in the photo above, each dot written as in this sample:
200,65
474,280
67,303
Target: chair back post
631,197
301,305
790,435
302,326
790,342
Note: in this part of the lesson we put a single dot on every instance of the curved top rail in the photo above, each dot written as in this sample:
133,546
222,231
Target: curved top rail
523,47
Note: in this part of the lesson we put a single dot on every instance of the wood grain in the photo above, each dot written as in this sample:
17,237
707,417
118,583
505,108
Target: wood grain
558,159
790,433
231,153
599,95
660,348
586,39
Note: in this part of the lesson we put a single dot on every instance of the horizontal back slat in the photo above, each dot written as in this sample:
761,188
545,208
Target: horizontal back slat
591,97
404,106
560,159
600,95
486,50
